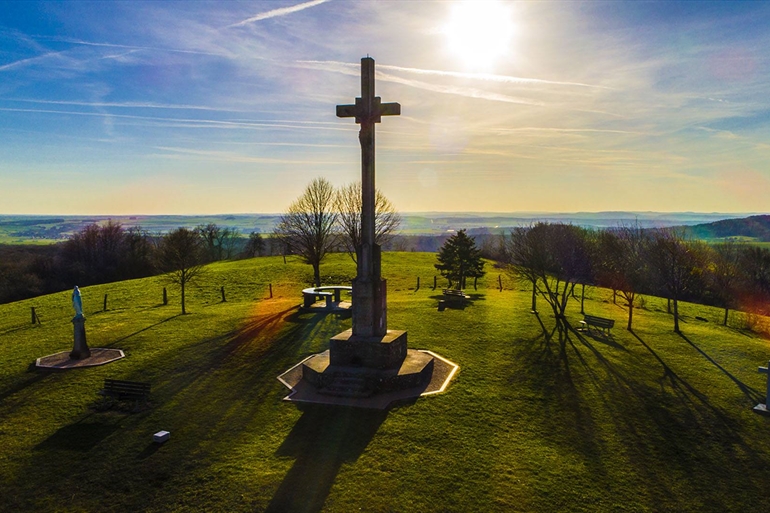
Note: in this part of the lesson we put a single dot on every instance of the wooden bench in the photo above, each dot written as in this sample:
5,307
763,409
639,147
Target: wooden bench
455,295
125,390
599,322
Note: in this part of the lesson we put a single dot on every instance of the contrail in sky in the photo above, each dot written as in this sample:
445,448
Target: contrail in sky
278,12
488,77
352,69
27,61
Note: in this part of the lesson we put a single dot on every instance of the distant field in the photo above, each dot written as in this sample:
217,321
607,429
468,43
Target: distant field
644,421
48,229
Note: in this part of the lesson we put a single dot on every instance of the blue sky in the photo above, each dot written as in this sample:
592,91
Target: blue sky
227,107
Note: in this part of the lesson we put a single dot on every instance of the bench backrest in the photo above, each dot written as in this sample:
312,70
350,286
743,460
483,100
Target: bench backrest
126,387
599,321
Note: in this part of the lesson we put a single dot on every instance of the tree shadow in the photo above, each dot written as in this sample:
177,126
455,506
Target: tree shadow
19,328
82,436
21,385
752,394
118,341
320,442
602,337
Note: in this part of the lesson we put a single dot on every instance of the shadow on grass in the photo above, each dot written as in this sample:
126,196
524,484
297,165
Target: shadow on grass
320,442
81,436
602,337
208,389
19,328
752,394
118,341
676,426
22,384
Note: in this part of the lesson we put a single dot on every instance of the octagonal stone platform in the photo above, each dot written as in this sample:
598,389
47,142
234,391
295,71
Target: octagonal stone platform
356,381
304,391
62,360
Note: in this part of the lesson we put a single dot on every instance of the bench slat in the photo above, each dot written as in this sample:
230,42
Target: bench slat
126,389
599,322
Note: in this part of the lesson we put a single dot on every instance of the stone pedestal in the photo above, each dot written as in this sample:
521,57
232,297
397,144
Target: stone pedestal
385,352
80,349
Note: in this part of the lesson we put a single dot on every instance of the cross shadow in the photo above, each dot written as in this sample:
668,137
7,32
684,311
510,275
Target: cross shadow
320,442
752,394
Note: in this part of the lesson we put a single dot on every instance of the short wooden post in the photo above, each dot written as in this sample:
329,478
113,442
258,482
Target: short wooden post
418,284
34,316
104,307
500,282
434,282
270,286
764,370
222,290
165,296
475,282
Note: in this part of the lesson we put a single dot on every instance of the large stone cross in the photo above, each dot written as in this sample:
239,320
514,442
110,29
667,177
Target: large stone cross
369,293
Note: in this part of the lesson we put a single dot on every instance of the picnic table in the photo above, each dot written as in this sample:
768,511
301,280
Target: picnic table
332,294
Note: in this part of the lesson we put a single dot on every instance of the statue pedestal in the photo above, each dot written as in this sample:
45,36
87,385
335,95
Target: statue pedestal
80,349
385,352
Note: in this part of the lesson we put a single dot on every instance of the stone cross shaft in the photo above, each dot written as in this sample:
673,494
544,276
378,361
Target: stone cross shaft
369,309
764,370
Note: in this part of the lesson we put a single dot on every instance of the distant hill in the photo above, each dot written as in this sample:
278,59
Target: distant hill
756,227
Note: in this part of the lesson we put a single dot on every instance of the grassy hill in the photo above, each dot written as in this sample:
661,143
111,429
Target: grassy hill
644,421
753,228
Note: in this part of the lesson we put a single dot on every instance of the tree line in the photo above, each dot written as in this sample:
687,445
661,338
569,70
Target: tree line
103,253
632,261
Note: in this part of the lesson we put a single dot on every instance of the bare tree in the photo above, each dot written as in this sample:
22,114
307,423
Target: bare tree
180,256
219,243
755,266
620,263
553,257
678,264
348,202
725,274
307,227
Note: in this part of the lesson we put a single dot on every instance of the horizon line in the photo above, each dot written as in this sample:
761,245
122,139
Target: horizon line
412,212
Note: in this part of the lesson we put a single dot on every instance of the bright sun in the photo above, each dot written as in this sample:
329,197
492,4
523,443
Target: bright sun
479,33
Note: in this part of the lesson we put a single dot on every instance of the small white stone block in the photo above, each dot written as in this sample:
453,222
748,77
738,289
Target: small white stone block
161,437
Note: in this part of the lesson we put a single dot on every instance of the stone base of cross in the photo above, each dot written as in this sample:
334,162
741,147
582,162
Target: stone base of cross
765,408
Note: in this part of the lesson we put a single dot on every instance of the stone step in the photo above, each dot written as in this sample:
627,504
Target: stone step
346,387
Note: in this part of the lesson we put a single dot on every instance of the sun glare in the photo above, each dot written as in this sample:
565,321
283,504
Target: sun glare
479,33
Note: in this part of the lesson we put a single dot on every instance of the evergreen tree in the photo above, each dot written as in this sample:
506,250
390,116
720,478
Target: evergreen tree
459,258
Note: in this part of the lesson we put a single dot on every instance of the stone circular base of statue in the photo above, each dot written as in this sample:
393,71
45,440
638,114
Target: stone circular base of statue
315,380
62,361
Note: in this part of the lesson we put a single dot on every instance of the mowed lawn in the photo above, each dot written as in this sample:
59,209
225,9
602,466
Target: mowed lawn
643,421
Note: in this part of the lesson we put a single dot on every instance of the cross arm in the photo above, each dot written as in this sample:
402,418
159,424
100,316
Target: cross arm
363,113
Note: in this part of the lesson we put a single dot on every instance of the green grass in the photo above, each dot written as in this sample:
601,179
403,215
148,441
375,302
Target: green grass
648,421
